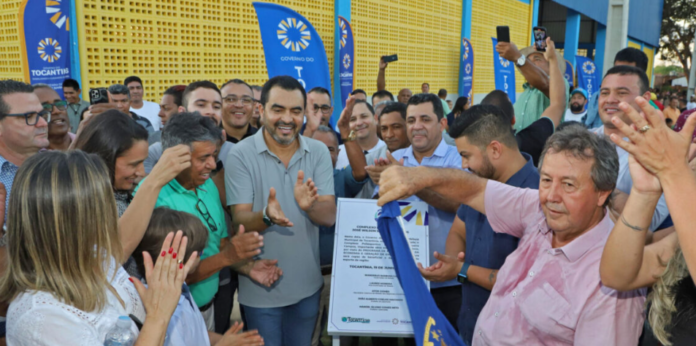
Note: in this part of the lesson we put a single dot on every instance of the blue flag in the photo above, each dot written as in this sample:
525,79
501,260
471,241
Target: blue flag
588,76
292,47
347,64
430,327
466,70
44,29
504,74
569,73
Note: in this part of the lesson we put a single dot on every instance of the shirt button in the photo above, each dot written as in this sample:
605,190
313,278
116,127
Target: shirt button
531,273
496,314
480,332
514,293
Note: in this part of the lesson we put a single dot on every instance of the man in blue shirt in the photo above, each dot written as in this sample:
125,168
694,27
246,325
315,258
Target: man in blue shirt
424,123
488,149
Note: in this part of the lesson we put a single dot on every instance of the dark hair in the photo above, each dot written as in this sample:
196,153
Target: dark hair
442,93
424,98
459,105
394,107
163,221
11,87
320,90
501,100
186,128
119,89
326,129
426,84
256,88
482,124
286,83
359,91
196,85
633,55
177,92
369,107
625,70
585,145
567,124
237,81
109,135
132,79
71,83
381,93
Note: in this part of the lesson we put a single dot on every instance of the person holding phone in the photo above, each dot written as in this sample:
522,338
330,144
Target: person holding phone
535,69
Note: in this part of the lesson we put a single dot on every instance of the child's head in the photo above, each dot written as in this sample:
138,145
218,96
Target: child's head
163,221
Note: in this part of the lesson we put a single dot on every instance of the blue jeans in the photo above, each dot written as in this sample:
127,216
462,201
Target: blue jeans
290,325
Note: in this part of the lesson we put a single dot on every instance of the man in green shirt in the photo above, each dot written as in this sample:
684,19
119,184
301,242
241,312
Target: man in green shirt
71,91
193,191
535,69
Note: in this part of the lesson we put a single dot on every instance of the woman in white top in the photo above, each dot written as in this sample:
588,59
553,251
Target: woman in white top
64,279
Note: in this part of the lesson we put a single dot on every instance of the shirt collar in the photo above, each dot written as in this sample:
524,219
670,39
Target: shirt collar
440,151
174,184
261,143
592,238
521,175
250,132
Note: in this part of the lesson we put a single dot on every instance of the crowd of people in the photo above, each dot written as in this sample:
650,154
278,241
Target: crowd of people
551,220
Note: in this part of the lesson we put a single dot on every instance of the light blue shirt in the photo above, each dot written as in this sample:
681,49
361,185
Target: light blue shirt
186,327
439,222
8,170
592,119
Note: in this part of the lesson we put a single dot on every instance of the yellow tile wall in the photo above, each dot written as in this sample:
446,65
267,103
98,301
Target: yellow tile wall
10,56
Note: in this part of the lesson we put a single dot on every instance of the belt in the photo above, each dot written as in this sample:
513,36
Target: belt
207,306
326,270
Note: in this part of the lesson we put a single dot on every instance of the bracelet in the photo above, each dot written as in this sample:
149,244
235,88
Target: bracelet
635,228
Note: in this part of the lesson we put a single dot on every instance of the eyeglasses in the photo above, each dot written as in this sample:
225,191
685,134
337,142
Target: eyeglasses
32,118
246,100
61,105
206,215
324,109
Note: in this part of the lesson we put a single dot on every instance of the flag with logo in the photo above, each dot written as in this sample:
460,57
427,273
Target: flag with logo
347,63
466,70
504,71
292,47
569,72
588,76
430,327
44,30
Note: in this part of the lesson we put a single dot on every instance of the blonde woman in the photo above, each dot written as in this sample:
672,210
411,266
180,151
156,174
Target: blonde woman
64,279
658,163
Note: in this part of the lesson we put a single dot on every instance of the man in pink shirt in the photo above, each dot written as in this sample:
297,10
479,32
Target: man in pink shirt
548,292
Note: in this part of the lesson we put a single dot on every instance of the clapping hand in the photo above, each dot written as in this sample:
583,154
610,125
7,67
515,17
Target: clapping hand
243,246
165,277
305,192
234,337
265,272
274,212
343,123
381,164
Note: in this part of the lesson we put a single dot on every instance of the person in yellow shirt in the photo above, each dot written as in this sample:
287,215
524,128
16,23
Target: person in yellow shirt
672,110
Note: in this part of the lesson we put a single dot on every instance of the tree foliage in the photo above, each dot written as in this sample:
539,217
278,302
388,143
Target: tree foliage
678,29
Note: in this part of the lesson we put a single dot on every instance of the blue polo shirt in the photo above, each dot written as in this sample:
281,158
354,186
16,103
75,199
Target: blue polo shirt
487,249
345,186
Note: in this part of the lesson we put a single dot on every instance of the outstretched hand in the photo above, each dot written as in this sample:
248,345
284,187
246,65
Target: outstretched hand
265,272
235,337
399,182
275,212
446,268
305,192
343,123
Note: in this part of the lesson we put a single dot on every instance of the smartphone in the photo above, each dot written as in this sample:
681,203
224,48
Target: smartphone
390,58
503,33
98,95
539,38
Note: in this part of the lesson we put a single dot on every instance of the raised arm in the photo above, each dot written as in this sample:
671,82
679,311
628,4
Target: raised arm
356,157
535,76
399,182
381,80
557,90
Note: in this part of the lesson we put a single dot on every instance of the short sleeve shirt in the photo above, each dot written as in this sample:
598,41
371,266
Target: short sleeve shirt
531,104
8,170
251,169
150,111
176,197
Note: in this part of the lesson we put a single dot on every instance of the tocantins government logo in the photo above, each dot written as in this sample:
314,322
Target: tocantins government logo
293,34
411,212
344,33
346,61
503,62
588,67
467,68
465,43
355,320
58,13
49,50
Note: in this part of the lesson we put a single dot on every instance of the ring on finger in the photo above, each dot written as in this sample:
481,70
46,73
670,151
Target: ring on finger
180,261
645,129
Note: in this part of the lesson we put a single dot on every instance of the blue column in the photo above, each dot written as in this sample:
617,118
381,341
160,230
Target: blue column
535,18
75,71
572,36
600,40
341,8
466,33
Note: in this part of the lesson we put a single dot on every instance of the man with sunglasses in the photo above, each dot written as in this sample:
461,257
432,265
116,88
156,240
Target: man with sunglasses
23,132
59,135
237,110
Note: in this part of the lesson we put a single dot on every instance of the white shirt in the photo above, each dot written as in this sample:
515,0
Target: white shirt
570,116
187,326
38,318
378,151
149,110
690,106
625,183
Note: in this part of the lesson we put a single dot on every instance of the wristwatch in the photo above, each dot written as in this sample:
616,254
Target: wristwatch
267,220
521,61
462,277
351,137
